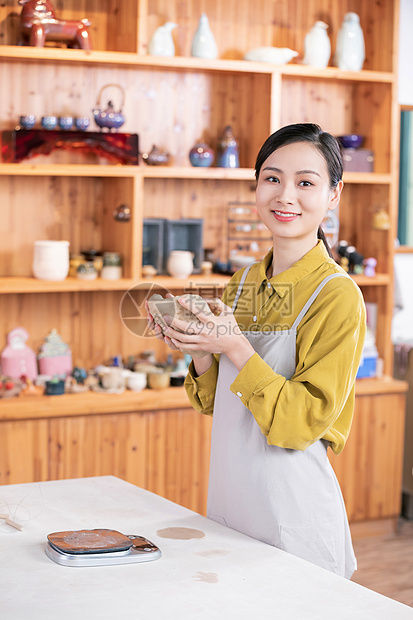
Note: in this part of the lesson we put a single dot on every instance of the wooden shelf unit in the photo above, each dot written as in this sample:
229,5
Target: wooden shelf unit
173,103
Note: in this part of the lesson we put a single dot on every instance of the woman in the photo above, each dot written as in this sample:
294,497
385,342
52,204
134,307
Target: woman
283,354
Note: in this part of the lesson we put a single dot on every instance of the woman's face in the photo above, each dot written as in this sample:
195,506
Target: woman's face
293,192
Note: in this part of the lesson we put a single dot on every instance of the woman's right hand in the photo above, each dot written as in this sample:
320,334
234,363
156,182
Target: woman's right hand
156,329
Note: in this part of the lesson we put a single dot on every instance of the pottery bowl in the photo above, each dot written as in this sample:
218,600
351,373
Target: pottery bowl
351,140
65,122
159,380
49,122
136,381
28,121
82,123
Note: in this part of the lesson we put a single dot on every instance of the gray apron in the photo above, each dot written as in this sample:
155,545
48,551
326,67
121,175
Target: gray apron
287,498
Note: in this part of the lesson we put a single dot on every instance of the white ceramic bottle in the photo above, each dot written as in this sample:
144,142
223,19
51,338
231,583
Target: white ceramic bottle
162,43
51,260
317,46
350,50
203,43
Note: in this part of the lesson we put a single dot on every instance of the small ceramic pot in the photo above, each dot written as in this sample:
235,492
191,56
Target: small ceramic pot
51,260
122,213
65,122
113,378
148,271
111,272
180,264
201,155
86,271
49,122
159,380
27,121
136,381
206,267
82,123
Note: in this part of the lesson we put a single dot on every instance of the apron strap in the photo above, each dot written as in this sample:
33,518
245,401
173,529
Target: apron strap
241,284
313,297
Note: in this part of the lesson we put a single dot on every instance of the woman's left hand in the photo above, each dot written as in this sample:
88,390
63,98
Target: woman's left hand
213,333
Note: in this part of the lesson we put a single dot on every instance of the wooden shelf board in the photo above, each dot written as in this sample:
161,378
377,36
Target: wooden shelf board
69,170
27,53
367,178
92,403
382,385
89,403
380,279
404,249
162,172
189,172
32,285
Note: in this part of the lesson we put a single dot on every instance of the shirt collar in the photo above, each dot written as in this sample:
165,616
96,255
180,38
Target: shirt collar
283,282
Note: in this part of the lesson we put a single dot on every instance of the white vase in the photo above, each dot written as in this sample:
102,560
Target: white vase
203,43
180,264
162,43
51,260
350,50
317,46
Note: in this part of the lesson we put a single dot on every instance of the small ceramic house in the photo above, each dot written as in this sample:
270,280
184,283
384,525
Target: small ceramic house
55,357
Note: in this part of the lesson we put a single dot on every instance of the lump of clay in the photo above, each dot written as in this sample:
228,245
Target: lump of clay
158,307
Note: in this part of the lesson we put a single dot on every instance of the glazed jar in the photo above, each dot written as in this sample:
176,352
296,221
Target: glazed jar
112,266
228,150
86,271
180,264
201,155
51,260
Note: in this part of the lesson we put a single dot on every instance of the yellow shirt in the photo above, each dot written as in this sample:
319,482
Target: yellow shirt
318,401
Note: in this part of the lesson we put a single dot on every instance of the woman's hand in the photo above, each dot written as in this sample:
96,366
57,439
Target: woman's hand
156,329
213,332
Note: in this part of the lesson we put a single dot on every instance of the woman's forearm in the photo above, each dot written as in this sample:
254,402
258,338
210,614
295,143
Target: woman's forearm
202,364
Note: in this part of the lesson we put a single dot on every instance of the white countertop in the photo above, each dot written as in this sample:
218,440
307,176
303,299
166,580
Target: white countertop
224,575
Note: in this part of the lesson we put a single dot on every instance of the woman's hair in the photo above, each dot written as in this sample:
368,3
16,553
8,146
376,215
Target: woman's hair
313,134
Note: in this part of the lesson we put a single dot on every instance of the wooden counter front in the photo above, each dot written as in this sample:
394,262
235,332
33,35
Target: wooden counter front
155,440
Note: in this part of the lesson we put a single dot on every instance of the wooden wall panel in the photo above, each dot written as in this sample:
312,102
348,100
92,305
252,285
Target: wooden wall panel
326,103
370,468
23,451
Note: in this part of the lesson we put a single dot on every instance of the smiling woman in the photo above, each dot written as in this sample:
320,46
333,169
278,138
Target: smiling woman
283,351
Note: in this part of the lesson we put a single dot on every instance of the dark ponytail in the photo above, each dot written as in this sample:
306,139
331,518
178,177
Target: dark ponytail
321,235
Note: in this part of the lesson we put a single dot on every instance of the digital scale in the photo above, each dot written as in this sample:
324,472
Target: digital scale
99,548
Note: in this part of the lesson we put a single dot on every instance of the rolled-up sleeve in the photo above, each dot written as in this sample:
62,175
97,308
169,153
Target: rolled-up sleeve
201,390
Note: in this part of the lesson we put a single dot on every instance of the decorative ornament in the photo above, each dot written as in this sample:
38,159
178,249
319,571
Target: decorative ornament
55,356
17,359
203,43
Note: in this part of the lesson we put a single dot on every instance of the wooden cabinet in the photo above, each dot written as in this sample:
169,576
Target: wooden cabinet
174,102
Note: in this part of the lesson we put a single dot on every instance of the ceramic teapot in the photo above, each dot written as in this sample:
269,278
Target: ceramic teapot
109,118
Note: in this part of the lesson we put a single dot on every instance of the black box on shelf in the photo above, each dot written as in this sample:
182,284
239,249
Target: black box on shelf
153,242
184,234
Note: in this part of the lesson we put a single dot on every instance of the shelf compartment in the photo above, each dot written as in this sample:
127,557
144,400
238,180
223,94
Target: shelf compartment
78,209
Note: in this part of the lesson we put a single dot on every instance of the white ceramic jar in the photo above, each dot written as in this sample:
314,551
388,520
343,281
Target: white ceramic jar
51,260
136,381
180,264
